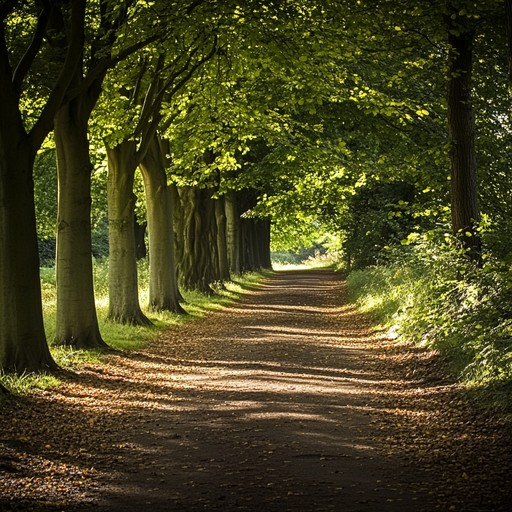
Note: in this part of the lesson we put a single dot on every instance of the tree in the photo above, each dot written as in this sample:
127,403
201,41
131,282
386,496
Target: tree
461,127
118,34
23,344
158,80
222,240
197,256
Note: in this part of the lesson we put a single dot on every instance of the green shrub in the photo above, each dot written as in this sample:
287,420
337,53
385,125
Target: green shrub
433,295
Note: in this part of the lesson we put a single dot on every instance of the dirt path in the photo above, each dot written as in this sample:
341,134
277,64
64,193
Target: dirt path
284,401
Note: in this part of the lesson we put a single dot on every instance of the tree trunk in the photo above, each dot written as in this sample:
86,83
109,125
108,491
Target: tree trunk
124,306
465,213
233,232
263,235
140,239
198,250
243,233
163,284
222,243
77,323
247,263
178,225
23,345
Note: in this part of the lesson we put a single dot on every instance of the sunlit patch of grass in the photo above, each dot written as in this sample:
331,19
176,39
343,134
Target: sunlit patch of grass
197,304
128,337
117,336
437,299
379,291
67,357
23,384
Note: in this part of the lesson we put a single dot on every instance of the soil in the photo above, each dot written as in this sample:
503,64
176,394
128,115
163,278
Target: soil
286,400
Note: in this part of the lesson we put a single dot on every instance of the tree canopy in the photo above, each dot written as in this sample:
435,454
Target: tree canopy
372,123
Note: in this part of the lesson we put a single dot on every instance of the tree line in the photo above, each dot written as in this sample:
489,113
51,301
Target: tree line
354,118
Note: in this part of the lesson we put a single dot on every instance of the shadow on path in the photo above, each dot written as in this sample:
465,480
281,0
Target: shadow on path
283,401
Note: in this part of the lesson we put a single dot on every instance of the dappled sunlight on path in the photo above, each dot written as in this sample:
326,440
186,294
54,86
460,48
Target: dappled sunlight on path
283,401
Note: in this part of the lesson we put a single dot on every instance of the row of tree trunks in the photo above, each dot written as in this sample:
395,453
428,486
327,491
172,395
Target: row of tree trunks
196,237
248,239
255,246
213,240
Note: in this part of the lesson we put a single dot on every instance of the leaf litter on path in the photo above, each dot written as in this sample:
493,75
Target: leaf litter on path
286,400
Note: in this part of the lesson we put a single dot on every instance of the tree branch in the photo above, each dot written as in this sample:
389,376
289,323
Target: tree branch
149,129
100,70
75,47
149,104
5,66
28,58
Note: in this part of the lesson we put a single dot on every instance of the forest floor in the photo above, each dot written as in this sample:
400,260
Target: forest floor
286,400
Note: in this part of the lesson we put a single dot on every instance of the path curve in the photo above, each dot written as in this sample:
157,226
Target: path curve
284,401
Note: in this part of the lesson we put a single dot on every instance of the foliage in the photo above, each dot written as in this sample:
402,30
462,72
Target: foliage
286,258
430,293
45,192
377,216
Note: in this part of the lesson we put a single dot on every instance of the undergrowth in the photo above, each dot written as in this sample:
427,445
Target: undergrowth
433,295
117,336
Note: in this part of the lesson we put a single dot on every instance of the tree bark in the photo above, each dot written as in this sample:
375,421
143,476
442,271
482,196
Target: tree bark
222,243
124,306
77,323
461,130
140,239
248,246
263,235
23,345
248,239
233,232
178,225
198,258
163,285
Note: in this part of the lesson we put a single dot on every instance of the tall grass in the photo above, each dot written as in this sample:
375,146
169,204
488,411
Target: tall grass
117,336
434,296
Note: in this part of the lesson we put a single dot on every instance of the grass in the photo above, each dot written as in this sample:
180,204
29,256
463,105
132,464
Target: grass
117,336
438,300
22,384
317,262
